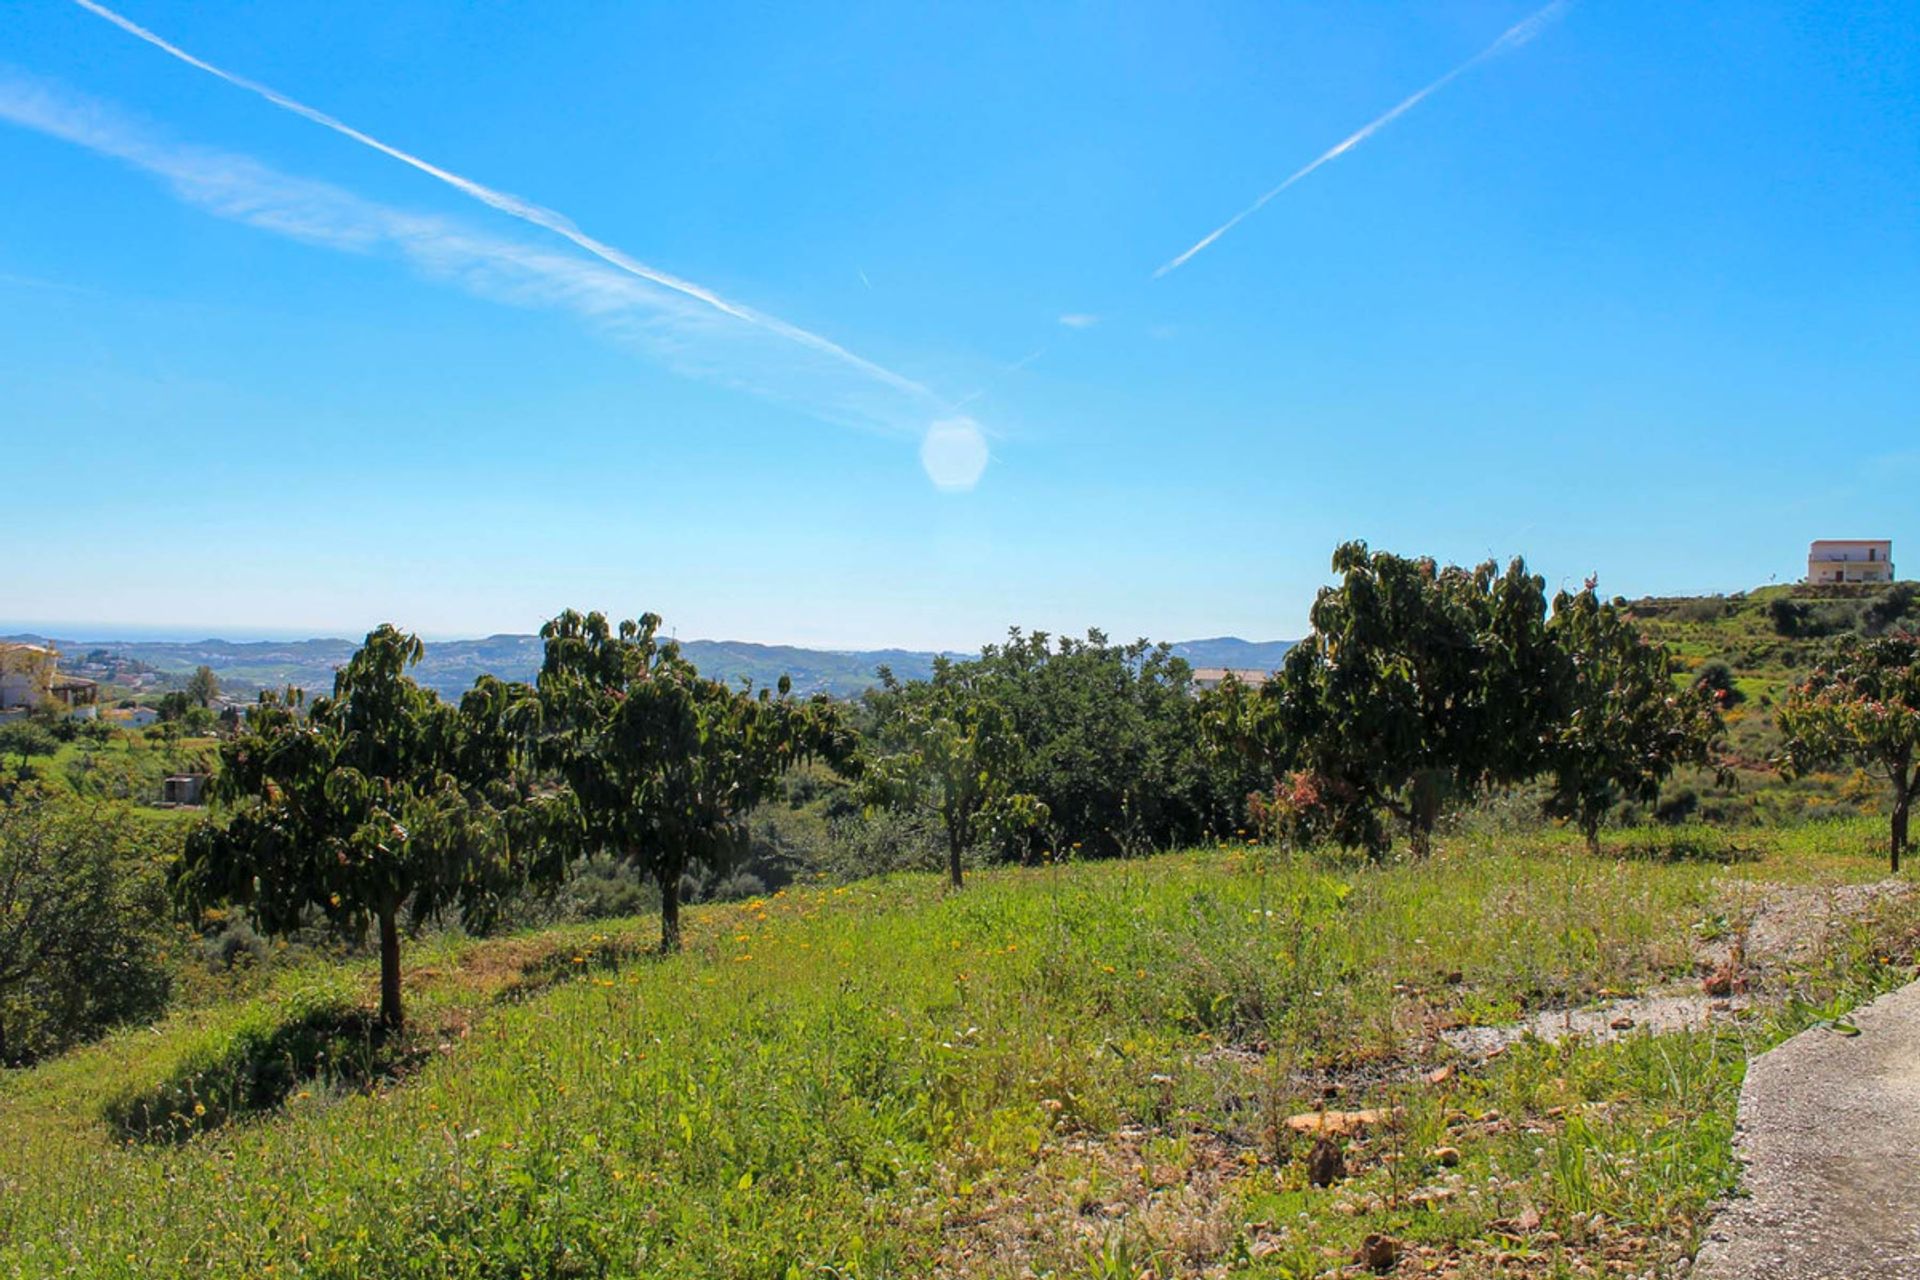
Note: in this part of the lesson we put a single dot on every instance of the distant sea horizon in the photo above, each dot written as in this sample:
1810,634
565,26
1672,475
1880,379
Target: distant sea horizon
138,633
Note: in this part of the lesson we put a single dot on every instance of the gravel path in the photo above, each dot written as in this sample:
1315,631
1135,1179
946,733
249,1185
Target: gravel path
1830,1130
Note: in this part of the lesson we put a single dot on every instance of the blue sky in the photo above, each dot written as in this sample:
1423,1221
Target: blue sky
1632,294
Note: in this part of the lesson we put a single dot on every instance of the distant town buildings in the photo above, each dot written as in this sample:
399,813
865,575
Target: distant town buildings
1205,678
1850,560
30,678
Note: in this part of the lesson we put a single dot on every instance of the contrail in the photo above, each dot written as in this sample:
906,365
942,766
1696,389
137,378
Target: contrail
1512,38
524,210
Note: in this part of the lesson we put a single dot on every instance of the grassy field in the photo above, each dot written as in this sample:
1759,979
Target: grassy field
1076,1070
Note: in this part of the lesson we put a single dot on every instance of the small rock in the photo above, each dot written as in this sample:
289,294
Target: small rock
1440,1075
1621,1023
1448,1156
1379,1254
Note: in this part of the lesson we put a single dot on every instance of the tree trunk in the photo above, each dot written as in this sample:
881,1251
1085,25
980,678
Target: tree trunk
390,1011
1902,805
954,844
1590,828
669,913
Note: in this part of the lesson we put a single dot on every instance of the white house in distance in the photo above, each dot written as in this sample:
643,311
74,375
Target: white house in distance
1205,678
1850,560
30,677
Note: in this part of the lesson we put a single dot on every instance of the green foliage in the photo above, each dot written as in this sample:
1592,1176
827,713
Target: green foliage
1110,743
202,686
1418,688
82,923
376,801
1618,727
22,740
662,766
1716,680
1862,703
950,744
863,1081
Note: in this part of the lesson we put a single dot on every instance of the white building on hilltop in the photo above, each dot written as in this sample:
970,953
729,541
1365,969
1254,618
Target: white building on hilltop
1850,560
30,678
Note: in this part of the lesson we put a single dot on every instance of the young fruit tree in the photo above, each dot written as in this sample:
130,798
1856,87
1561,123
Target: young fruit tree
1862,703
376,803
661,765
949,743
1619,725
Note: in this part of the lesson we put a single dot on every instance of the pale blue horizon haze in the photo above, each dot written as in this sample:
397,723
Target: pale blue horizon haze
865,325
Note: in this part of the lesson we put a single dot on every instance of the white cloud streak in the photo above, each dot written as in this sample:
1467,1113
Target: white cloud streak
529,212
689,336
1512,38
1079,320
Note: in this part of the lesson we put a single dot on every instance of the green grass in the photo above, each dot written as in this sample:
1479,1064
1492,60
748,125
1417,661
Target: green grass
886,1079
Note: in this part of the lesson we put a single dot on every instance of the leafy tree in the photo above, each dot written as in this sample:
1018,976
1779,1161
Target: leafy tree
1418,686
1862,703
662,765
82,923
376,802
1110,742
24,739
202,686
1619,727
1886,612
1789,617
173,705
950,744
1716,681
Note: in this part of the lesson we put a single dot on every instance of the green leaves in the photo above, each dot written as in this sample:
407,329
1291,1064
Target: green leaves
1862,703
660,764
1620,727
1421,686
375,800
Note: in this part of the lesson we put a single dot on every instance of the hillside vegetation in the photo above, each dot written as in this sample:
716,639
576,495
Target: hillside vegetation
1073,1070
1766,640
629,971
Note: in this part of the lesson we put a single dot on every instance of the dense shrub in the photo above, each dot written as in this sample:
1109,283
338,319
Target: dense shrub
83,920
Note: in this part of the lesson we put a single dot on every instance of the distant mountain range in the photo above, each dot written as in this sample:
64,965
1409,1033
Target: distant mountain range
450,666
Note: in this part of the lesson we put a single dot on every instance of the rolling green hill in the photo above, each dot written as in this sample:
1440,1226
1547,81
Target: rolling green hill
1100,1070
1768,639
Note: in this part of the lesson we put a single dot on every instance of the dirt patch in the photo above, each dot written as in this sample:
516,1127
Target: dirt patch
1656,1014
1139,1200
1784,925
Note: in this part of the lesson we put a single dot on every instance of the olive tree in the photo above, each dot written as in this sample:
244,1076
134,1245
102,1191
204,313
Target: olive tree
1862,703
377,803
